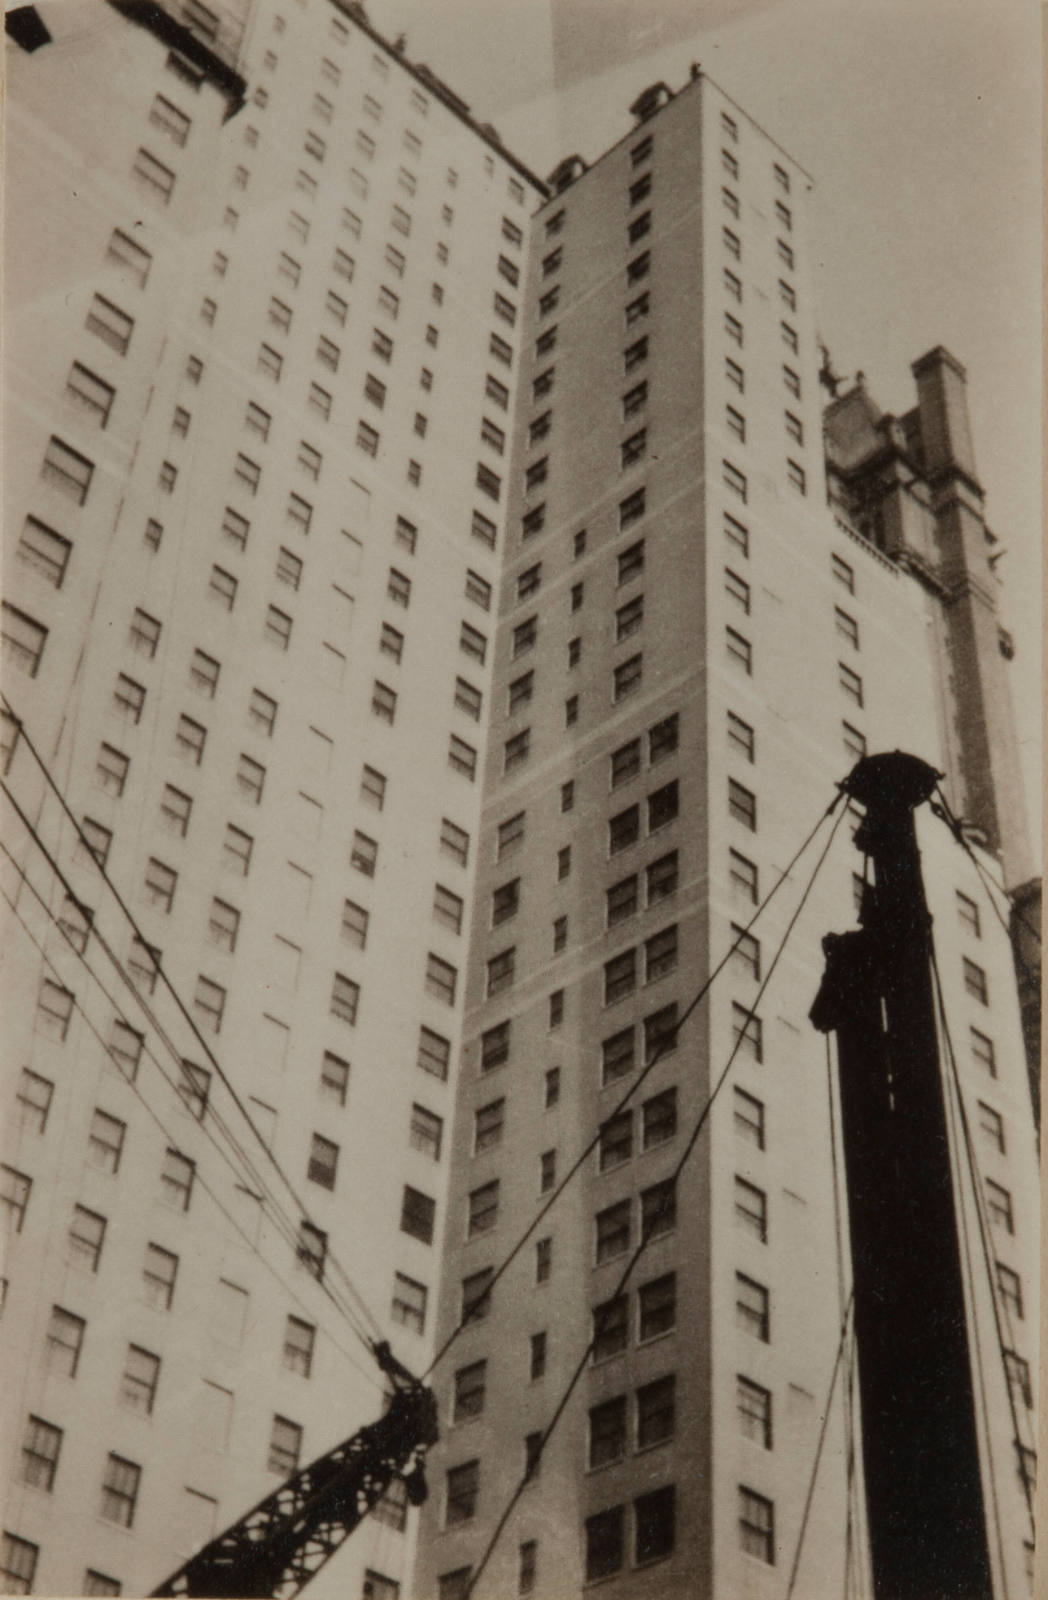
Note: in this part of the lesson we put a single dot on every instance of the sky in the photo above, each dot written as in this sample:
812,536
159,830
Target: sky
919,122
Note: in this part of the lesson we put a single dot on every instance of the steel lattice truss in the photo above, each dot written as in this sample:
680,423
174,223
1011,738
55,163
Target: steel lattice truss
276,1547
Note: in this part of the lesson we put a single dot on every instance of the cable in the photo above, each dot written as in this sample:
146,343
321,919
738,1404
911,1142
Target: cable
659,1051
978,1196
818,1449
208,1190
238,1102
651,1230
284,1225
332,1260
956,827
277,1213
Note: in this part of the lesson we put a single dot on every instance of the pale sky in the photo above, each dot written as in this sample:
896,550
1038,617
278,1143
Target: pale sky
919,121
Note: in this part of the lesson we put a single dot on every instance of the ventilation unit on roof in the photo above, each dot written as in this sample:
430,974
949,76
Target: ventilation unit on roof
646,104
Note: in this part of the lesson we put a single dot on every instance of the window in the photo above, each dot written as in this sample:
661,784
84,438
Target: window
176,1179
854,741
285,1447
613,1231
494,1047
1018,1374
975,981
54,1010
743,875
426,1132
345,998
139,1380
409,1303
607,1432
454,842
616,1140
739,649
968,915
742,805
752,1307
999,1206
751,1209
441,979
605,1543
120,1485
791,381
639,267
510,834
159,1272
355,924
47,552
624,829
41,1446
236,850
34,1098
659,1119
463,1484
657,1306
487,1125
610,1327
323,1162
67,470
500,971
1010,1289
468,1395
623,900
129,254
756,1525
334,1073
251,777
487,481
18,1565
483,1209
620,976
663,806
105,1141
737,378
567,795
843,573
299,1340
462,757
660,954
797,477
516,749
747,1032
312,1249
658,1209
474,643
661,1032
129,698
143,964
983,1051
543,1260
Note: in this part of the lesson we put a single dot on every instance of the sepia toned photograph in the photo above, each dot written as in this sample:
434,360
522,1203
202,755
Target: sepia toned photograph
521,769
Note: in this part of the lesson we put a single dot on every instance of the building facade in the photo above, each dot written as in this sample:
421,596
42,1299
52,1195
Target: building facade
434,598
260,288
702,627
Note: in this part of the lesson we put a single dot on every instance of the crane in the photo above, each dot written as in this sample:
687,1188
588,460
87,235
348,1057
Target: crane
276,1547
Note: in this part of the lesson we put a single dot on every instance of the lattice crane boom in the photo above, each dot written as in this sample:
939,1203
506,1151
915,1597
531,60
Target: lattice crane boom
278,1546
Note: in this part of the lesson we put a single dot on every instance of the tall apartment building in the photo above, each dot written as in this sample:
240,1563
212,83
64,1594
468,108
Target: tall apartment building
703,623
260,290
344,464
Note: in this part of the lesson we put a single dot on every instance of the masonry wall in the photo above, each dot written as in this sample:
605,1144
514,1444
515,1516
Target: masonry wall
251,639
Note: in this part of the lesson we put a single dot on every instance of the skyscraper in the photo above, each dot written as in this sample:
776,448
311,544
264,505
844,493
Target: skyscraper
433,596
705,622
260,290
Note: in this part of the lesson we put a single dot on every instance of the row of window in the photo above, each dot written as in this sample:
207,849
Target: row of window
121,1479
